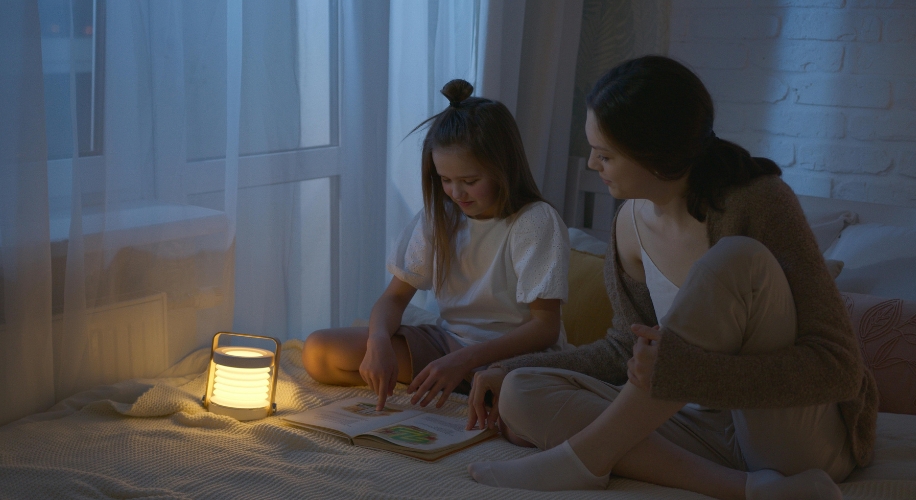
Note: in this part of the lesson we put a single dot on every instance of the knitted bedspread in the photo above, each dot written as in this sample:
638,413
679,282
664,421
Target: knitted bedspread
152,439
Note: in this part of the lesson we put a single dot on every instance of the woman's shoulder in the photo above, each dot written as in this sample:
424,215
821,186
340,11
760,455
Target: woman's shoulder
760,196
769,187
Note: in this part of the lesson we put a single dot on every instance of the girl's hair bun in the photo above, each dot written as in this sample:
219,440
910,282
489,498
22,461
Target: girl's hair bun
457,91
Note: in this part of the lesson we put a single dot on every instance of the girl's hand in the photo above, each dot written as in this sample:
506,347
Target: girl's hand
442,375
645,352
379,368
491,380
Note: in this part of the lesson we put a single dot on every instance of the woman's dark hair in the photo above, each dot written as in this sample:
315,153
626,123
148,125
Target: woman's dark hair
658,113
485,129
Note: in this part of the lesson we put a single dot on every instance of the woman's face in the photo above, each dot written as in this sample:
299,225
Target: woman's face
625,179
466,182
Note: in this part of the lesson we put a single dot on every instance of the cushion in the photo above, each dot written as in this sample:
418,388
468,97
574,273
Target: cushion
886,329
587,314
580,240
879,260
827,226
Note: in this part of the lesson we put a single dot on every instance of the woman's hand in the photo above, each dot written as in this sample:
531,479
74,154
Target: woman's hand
491,380
645,352
442,375
379,368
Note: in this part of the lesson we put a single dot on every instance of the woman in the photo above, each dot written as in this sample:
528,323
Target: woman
712,250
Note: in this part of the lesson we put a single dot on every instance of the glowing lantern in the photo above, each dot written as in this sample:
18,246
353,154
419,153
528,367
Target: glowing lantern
242,381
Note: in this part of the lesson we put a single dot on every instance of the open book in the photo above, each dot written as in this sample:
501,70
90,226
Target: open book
418,433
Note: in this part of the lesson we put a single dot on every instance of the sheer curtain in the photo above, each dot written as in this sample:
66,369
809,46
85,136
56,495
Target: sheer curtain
170,169
122,272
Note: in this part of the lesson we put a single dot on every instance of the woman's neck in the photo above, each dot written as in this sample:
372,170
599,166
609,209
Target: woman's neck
669,203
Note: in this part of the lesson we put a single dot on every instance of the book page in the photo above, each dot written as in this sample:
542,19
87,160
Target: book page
426,431
352,416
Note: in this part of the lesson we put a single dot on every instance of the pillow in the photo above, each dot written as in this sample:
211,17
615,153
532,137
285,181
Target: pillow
827,227
587,314
834,267
879,260
886,330
580,240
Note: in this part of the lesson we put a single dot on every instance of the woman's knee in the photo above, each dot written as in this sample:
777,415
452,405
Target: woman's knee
516,403
735,299
741,252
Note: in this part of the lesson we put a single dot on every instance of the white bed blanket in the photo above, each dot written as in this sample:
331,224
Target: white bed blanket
152,439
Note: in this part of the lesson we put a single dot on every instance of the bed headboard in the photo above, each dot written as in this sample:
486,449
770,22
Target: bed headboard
589,206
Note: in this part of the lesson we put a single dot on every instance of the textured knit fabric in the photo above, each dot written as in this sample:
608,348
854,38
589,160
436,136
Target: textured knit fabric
152,439
823,366
501,266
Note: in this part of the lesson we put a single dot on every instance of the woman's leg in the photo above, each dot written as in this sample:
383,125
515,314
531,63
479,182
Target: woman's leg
546,406
333,356
720,307
788,440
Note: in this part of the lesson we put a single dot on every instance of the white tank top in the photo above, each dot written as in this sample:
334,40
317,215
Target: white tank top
661,289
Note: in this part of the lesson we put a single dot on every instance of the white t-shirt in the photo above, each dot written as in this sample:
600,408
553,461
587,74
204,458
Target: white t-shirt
502,265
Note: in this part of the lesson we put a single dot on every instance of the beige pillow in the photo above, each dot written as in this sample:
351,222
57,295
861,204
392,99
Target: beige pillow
587,314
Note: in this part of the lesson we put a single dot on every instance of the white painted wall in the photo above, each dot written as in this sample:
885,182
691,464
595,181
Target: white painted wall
826,88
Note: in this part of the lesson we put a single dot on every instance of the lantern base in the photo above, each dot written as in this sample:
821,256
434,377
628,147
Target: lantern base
240,414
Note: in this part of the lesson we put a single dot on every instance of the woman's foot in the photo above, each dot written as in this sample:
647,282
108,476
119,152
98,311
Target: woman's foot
813,484
555,469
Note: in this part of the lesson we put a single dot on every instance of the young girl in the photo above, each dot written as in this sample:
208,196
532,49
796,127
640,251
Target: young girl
493,251
713,248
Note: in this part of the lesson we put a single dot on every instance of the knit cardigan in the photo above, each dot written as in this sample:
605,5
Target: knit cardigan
823,366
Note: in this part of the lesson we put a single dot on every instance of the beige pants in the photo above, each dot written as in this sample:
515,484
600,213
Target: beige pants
736,299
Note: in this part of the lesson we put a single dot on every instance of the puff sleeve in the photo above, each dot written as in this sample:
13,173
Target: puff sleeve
411,258
539,246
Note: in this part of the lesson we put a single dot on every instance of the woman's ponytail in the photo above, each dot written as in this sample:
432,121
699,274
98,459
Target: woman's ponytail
722,164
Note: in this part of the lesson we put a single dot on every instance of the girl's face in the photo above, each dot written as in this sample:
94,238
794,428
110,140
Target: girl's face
466,182
625,179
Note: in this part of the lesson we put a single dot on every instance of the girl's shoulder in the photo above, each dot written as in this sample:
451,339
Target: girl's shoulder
537,220
536,212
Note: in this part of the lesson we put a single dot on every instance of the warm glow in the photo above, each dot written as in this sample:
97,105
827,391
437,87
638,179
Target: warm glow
242,381
242,387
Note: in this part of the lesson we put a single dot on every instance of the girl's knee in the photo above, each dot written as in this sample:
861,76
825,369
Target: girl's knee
314,354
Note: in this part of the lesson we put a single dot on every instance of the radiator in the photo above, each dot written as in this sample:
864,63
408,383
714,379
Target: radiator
126,340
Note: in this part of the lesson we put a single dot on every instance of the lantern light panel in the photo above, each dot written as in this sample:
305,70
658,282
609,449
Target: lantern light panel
242,380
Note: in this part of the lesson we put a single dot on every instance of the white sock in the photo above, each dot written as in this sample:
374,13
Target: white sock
556,469
813,484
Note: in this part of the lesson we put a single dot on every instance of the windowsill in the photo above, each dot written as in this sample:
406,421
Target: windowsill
139,223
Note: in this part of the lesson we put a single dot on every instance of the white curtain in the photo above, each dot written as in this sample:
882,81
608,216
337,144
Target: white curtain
170,169
110,270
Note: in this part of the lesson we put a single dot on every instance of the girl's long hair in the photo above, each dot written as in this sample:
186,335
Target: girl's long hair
658,113
485,129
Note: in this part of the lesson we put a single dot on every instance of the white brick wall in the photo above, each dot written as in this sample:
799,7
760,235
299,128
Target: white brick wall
826,88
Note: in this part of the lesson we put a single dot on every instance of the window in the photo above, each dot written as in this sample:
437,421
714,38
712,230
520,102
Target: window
73,31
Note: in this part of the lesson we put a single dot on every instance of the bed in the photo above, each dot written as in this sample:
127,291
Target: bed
151,438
